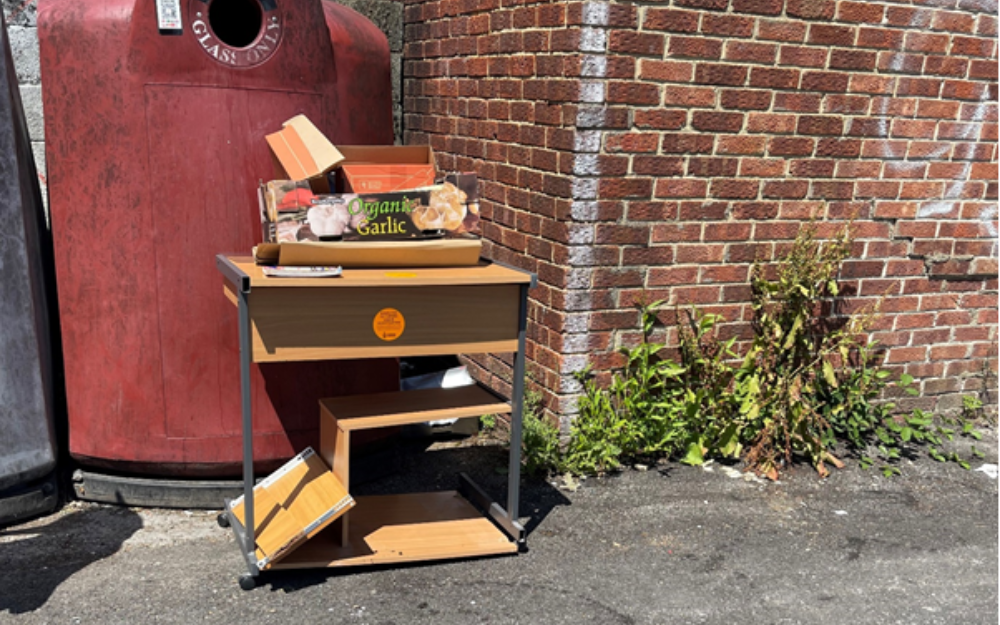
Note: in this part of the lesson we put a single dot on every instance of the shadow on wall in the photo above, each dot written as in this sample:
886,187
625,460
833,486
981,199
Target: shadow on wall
40,556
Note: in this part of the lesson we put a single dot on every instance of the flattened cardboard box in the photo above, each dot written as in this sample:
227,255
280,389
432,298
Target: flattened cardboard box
460,251
290,212
292,505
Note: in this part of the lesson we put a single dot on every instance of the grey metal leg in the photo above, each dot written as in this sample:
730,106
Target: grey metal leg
516,415
246,352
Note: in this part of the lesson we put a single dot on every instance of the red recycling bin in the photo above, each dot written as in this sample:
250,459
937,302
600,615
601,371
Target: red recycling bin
155,114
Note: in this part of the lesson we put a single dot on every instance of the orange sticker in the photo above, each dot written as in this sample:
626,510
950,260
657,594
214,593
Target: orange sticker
400,274
389,324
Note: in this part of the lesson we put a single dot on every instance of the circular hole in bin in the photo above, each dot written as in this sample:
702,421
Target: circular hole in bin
237,23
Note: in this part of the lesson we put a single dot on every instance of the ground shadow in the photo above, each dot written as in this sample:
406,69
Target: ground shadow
39,556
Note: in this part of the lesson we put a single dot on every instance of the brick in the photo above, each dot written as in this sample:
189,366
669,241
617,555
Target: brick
913,129
872,84
674,95
624,187
904,169
746,100
622,235
705,211
791,146
908,17
687,143
811,9
727,25
671,20
832,190
881,38
782,30
920,190
955,67
750,52
972,46
883,189
631,142
983,70
953,21
727,231
712,167
825,81
771,78
771,123
701,253
820,125
667,71
658,255
780,230
658,165
671,276
667,188
812,168
925,42
797,102
786,189
630,42
803,56
660,119
856,60
762,167
759,7
926,87
755,210
861,12
715,74
716,5
742,144
964,90
633,93
856,170
734,189
840,148
695,48
832,35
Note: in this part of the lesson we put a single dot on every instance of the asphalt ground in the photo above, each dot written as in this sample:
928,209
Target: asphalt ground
671,544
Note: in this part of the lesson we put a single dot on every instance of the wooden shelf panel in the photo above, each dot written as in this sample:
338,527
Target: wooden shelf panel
357,412
404,528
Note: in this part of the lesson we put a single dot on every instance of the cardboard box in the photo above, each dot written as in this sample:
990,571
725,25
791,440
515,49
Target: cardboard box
290,212
462,251
384,168
292,505
304,153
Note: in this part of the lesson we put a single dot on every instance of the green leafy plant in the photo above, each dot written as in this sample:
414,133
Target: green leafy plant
636,416
809,386
540,438
488,423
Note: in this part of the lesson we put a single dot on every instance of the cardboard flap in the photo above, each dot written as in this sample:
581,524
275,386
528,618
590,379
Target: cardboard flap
388,154
302,150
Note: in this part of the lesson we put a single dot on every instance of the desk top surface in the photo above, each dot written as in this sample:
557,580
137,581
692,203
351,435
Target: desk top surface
244,268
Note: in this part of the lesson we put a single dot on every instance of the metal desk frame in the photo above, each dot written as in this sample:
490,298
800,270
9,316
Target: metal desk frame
505,519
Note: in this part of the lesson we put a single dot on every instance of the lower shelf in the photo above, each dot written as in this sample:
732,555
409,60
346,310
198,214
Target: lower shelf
413,527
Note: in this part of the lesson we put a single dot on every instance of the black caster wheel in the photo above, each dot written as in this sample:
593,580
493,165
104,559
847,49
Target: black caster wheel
222,520
248,581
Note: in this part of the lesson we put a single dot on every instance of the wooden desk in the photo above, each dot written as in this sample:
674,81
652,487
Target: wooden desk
376,313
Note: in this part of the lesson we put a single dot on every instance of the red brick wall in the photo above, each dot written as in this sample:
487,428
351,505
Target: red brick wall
656,149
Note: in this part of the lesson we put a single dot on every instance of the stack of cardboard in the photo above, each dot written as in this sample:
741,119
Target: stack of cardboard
364,206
